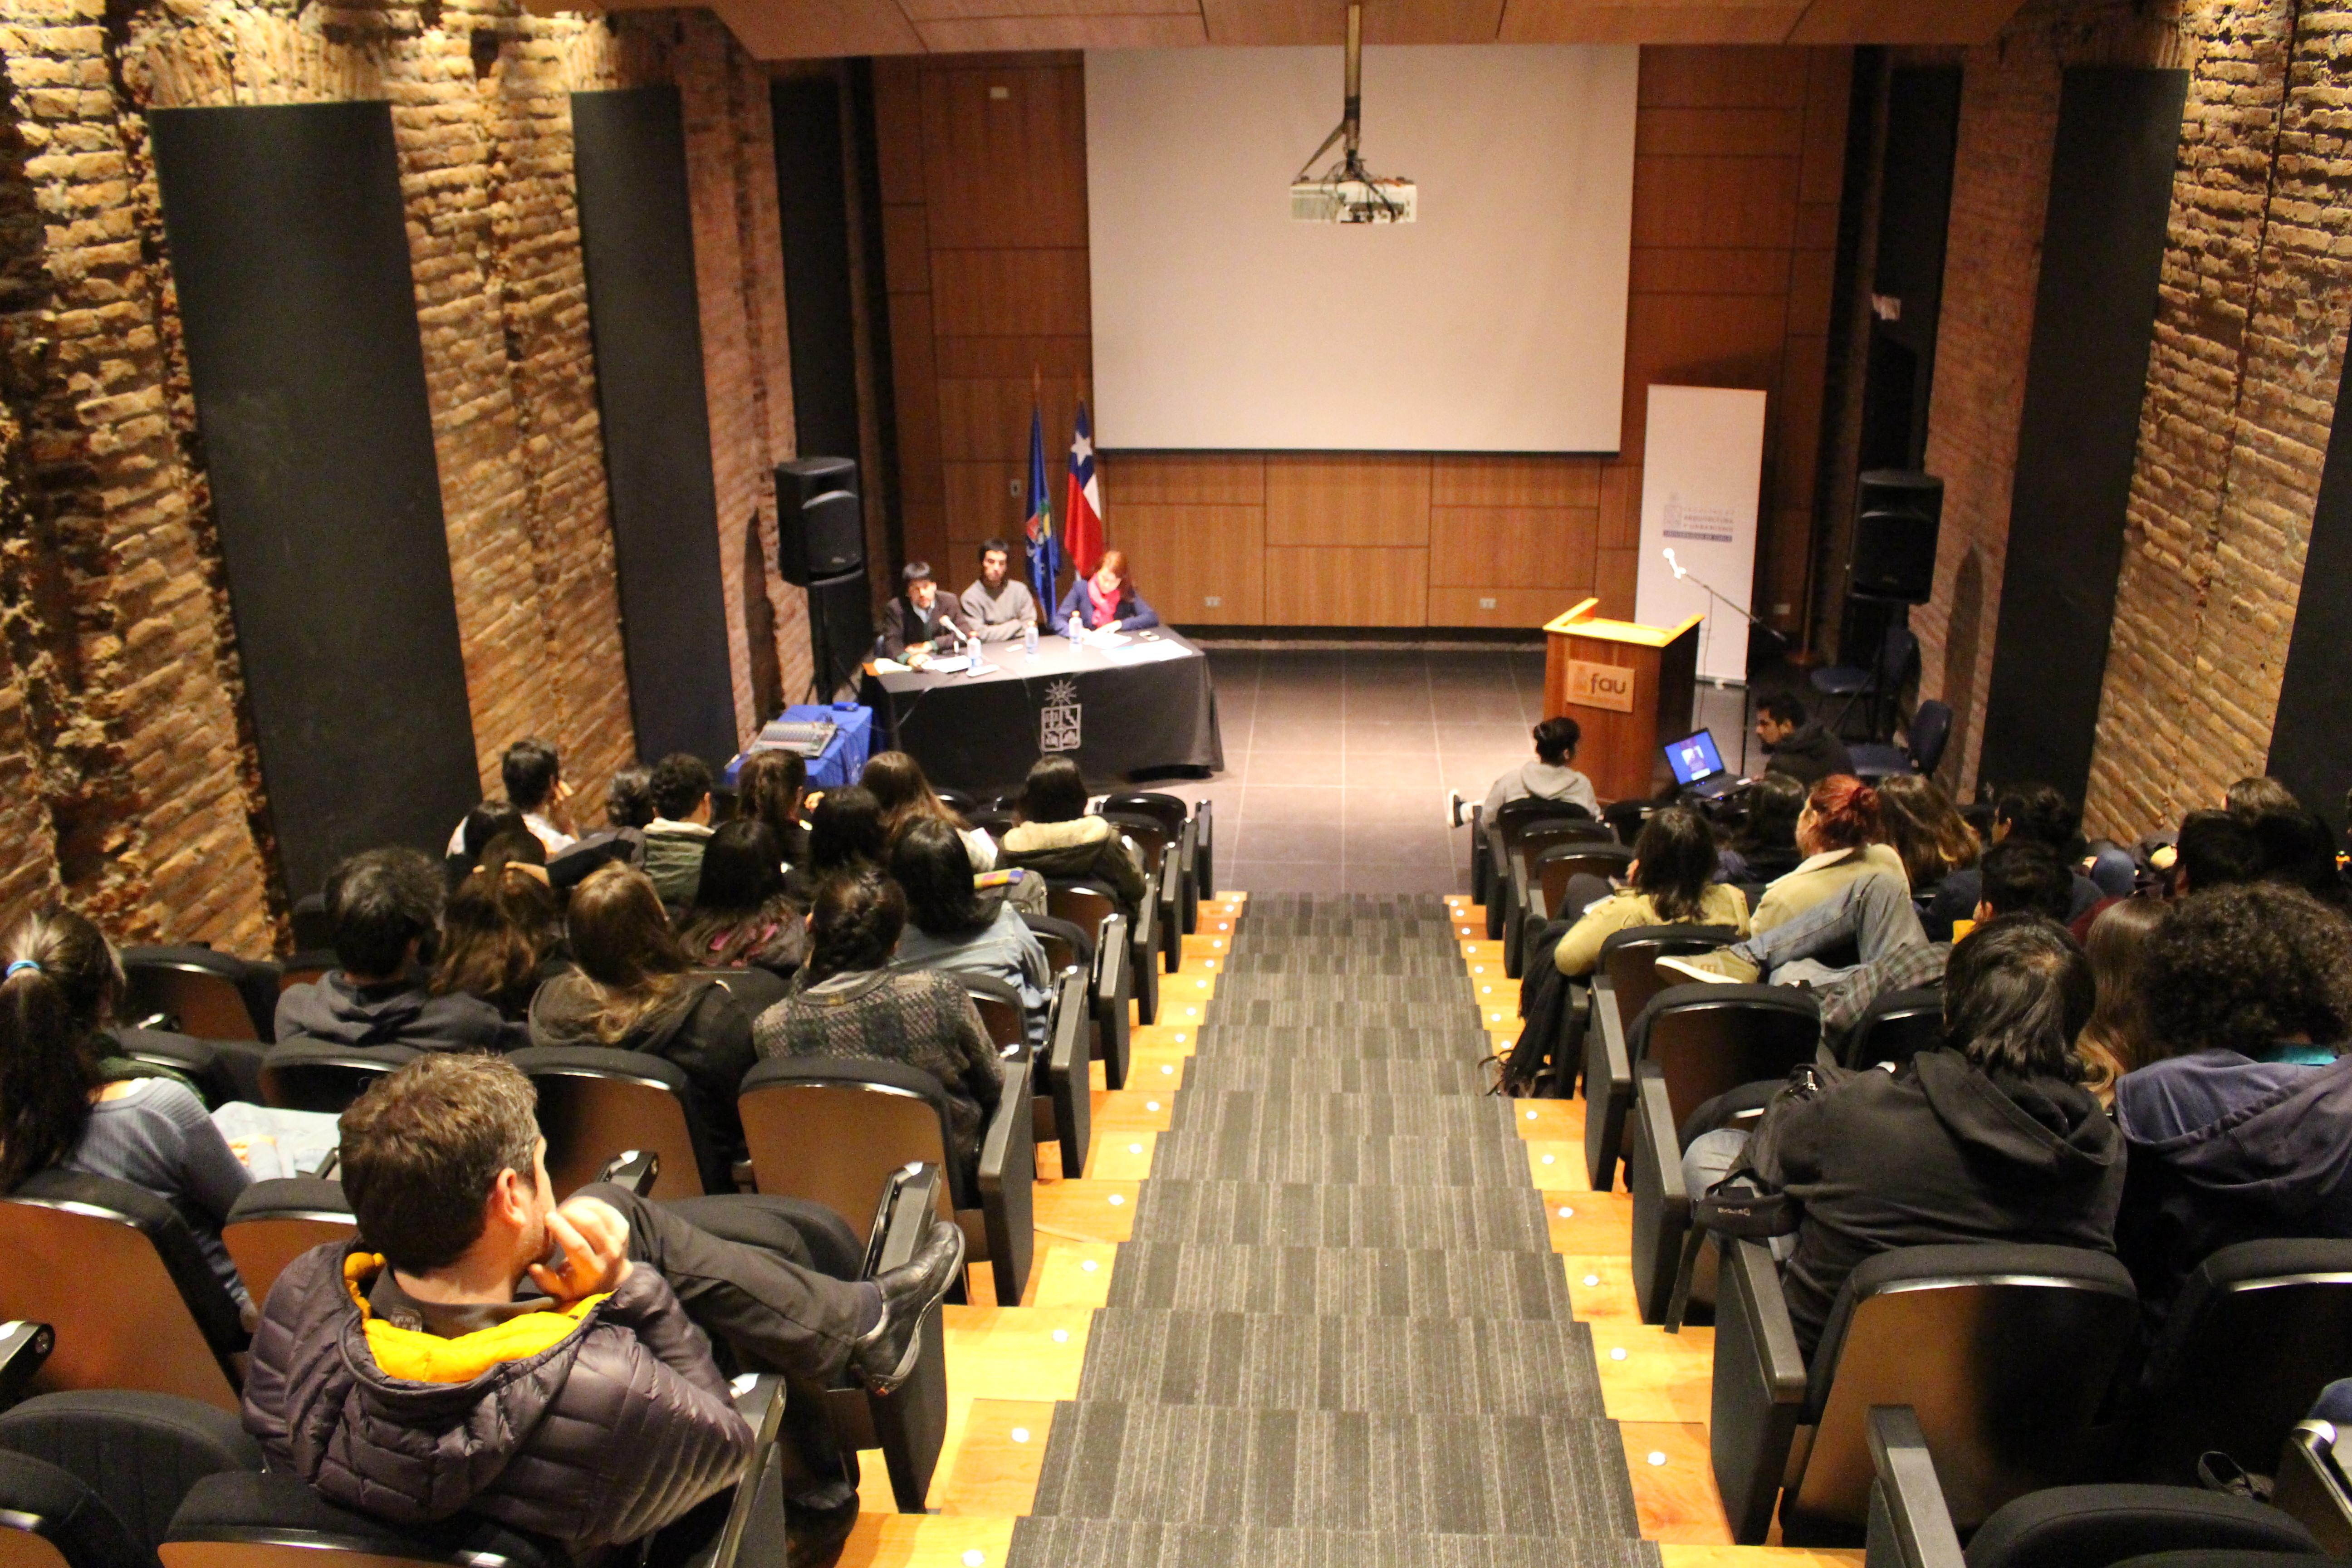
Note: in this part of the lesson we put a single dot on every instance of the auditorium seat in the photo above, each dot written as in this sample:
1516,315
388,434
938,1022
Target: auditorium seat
1629,959
305,968
2258,1330
1183,835
1542,895
596,1101
755,990
117,1273
275,1222
1880,681
222,1070
265,1519
196,991
1064,1089
2060,1527
315,1075
50,1518
1928,732
1001,1010
2312,1485
2004,1351
1696,1041
136,1453
1090,904
1067,944
1111,987
1895,1027
1491,839
836,1130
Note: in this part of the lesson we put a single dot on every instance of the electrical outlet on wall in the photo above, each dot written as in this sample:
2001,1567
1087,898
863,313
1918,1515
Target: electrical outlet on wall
1012,488
1485,604
1211,601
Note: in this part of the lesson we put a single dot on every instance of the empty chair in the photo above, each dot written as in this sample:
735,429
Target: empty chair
2061,1527
1111,988
1491,841
1065,1087
999,1009
196,991
1184,885
596,1101
137,1455
220,1069
2003,1351
1697,1041
1090,905
1204,847
117,1273
1929,731
1897,1027
2257,1330
314,1075
275,1222
1877,684
1542,896
836,1130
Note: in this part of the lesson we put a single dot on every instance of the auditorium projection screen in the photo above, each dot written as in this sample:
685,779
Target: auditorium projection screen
1494,323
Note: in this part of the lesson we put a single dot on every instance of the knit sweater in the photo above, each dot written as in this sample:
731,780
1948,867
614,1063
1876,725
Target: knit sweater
922,1018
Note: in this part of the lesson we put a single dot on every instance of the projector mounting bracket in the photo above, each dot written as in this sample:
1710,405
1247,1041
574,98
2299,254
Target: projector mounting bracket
1351,109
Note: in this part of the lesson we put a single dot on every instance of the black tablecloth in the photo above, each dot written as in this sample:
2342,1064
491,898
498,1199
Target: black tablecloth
1113,716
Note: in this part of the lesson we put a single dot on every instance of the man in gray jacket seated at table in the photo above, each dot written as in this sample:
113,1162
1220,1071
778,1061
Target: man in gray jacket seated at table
998,607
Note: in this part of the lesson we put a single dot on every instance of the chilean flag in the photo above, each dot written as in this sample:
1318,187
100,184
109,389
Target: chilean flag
1082,528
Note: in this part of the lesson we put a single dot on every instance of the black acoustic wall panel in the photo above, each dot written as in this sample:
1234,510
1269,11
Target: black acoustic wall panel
290,255
812,201
2094,316
2315,711
636,232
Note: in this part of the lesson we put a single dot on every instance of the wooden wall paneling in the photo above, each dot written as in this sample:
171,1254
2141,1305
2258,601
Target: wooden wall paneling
1722,79
1666,22
1828,90
1017,293
1531,547
921,11
1499,606
1332,585
1722,203
906,249
986,499
1895,22
1183,556
1692,269
1099,32
1047,356
924,527
915,383
1457,479
1621,506
1697,341
1615,585
1359,499
1684,131
1209,479
988,418
1017,164
898,129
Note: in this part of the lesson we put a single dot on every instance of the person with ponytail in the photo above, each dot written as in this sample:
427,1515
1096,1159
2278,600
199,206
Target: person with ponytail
1843,835
62,1105
848,1001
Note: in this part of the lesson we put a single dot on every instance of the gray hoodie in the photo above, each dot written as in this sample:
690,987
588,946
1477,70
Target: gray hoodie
334,1010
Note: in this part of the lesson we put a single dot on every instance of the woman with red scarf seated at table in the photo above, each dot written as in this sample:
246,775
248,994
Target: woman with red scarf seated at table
1106,602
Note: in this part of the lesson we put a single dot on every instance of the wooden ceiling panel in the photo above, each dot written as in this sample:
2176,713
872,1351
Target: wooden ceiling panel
1903,21
800,29
922,11
1692,21
1007,34
1257,22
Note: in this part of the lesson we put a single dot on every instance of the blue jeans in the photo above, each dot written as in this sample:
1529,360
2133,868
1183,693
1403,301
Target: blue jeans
1874,913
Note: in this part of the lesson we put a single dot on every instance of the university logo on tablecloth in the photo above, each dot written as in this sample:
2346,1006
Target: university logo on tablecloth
1058,721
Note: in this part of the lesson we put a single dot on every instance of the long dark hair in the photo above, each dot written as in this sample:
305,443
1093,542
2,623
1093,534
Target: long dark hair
930,863
1774,802
856,924
495,930
622,938
845,832
904,792
62,981
740,905
2016,992
768,789
1055,790
1677,852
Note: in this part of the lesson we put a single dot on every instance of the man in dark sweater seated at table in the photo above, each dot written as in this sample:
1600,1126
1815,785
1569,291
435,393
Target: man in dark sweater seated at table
915,622
384,907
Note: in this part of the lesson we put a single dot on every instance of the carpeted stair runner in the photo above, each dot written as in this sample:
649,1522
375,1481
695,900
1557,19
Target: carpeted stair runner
1339,1337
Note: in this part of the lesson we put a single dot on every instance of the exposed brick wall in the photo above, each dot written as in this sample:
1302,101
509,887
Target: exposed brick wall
2241,390
128,777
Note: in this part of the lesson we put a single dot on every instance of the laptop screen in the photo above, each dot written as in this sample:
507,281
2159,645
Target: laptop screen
1694,757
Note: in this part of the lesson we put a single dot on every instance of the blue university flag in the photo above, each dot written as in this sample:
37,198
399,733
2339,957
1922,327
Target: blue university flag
1044,550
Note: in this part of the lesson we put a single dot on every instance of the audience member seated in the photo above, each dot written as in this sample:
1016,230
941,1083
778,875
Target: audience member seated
633,993
848,1001
1932,836
2249,797
383,908
2299,850
1844,840
533,776
741,916
2214,850
906,795
998,607
1671,882
2116,1040
680,827
2241,1128
845,835
772,787
1550,776
629,797
494,819
2040,813
1106,602
1992,1138
1055,838
916,622
1764,846
1797,744
484,1350
62,1103
501,933
955,928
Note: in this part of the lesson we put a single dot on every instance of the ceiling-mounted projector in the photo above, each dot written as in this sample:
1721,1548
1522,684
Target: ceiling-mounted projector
1347,191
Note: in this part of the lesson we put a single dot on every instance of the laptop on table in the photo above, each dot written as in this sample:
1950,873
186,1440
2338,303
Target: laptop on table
1698,767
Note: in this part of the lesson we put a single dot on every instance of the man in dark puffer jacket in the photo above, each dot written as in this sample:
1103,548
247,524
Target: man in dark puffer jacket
414,1374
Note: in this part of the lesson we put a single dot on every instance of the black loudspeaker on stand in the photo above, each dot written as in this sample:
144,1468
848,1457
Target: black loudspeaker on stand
1893,567
821,546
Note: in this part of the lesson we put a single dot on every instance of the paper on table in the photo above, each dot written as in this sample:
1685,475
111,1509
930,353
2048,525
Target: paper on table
1144,652
889,667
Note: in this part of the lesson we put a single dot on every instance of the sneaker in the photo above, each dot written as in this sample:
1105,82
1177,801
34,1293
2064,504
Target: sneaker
885,1355
1718,968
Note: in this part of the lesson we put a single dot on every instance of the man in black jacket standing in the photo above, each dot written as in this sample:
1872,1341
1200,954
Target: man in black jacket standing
482,1350
1798,743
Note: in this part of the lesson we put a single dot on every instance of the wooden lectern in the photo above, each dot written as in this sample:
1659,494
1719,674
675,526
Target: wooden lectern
1629,685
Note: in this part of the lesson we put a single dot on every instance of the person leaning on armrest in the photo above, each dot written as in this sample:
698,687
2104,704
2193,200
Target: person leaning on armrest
1106,602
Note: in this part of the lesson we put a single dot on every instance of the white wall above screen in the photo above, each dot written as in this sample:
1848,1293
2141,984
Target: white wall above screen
1495,322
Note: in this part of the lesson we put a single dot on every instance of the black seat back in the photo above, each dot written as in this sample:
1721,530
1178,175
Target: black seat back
50,1518
1931,731
1555,863
2256,1331
1897,1027
312,1075
755,990
118,1273
196,991
2092,1526
596,1101
1145,834
2004,1352
1082,904
833,1130
1166,809
140,1453
1704,1040
1067,944
1000,1011
1516,816
275,1222
266,1519
1630,958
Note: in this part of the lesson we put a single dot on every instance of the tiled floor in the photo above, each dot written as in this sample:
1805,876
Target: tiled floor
1338,763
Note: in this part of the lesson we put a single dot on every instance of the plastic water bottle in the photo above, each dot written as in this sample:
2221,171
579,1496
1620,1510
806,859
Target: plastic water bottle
1029,639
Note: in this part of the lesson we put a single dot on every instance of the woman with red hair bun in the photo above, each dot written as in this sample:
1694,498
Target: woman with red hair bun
1844,837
